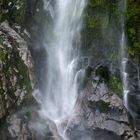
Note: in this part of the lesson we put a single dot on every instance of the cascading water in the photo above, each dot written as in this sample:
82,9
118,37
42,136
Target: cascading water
61,47
123,52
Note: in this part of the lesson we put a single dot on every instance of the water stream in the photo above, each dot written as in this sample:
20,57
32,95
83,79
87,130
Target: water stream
61,46
123,53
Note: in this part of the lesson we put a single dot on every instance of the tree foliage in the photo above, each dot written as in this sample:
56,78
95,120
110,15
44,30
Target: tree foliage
133,27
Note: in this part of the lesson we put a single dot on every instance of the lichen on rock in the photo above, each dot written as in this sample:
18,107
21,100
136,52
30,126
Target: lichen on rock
15,70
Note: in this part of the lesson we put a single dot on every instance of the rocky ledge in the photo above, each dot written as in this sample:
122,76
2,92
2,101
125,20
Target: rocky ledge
100,114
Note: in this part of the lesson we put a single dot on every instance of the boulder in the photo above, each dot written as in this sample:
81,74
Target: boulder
16,84
99,114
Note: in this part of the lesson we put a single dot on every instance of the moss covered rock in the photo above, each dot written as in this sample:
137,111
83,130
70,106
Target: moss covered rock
13,11
15,71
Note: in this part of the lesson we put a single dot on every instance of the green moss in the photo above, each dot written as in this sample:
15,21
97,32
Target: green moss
133,27
26,82
29,100
96,3
114,57
1,40
23,80
25,73
96,26
116,85
1,12
20,15
15,11
9,50
2,55
92,21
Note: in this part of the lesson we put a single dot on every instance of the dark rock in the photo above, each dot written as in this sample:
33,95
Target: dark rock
103,72
88,71
93,134
99,114
133,108
134,90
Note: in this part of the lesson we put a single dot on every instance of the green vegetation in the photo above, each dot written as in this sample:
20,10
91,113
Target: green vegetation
1,40
2,55
103,24
24,81
99,17
20,14
116,85
133,27
92,21
96,3
13,11
100,29
11,61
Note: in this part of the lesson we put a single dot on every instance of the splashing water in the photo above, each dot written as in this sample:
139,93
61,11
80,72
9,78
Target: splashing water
124,58
61,47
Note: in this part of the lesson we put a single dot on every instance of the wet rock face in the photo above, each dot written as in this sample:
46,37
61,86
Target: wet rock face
16,83
94,134
99,114
134,90
25,124
15,69
19,118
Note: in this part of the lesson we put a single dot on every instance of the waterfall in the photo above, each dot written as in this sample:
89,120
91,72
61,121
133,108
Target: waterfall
124,57
61,44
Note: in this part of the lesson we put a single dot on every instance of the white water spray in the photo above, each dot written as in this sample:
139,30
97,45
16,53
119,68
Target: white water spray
61,46
124,57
